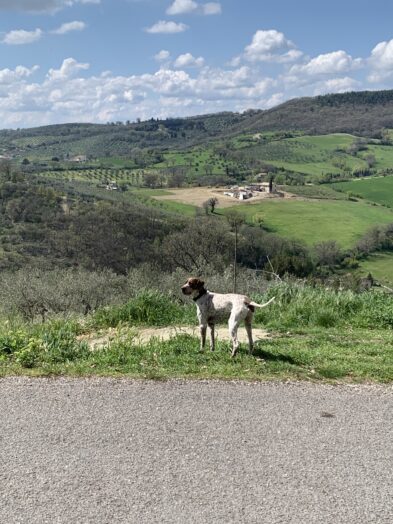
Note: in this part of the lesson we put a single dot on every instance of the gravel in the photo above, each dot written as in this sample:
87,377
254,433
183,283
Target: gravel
121,451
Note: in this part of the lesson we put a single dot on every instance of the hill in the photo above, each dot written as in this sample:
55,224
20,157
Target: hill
360,113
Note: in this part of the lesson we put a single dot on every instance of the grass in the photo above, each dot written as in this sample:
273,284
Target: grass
375,189
310,355
380,265
317,335
311,222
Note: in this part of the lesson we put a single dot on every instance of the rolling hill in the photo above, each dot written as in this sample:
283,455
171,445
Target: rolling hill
361,113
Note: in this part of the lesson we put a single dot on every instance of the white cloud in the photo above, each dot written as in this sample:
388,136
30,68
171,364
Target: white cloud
381,62
188,60
166,27
271,46
20,36
69,27
212,8
41,5
336,85
328,64
162,55
69,68
180,7
8,76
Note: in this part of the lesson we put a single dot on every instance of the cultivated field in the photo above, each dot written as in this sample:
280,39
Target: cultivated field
375,189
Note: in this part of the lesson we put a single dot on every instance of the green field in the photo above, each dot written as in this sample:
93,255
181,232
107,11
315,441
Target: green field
380,265
379,190
313,222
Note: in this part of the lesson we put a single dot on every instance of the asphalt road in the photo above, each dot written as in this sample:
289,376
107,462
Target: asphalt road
119,451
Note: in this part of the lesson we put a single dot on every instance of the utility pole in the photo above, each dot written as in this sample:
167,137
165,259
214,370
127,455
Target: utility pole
235,220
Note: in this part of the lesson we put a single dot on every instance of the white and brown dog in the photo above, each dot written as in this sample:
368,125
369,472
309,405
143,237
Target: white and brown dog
216,307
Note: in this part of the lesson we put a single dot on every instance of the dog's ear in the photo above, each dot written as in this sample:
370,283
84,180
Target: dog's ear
196,283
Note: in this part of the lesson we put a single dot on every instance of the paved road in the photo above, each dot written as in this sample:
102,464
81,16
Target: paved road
107,451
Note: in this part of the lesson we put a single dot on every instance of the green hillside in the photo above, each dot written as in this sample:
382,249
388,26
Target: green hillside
375,189
317,221
359,113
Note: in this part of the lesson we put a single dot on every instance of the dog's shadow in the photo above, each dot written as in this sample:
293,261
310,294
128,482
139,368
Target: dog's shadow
272,357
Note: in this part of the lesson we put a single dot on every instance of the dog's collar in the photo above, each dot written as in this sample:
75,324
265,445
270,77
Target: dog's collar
201,293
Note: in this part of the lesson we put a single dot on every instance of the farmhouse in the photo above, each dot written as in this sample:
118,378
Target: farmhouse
112,186
78,159
241,193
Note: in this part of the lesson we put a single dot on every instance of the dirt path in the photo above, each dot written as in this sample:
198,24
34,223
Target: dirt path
144,335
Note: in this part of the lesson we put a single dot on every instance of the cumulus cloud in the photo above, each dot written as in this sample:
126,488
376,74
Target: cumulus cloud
166,27
8,76
69,68
69,27
381,62
336,85
188,60
181,7
271,46
162,55
328,64
41,5
20,37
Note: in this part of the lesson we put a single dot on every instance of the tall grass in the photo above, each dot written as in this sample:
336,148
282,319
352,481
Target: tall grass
299,305
149,307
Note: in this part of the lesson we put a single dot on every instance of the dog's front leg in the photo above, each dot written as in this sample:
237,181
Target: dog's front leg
212,339
203,328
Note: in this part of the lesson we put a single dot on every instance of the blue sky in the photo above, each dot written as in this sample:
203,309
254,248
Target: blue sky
108,60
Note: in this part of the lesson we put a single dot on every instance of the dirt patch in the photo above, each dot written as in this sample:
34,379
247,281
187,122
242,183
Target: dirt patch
196,196
144,335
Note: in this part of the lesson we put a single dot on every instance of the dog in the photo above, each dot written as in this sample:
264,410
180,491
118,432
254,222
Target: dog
215,307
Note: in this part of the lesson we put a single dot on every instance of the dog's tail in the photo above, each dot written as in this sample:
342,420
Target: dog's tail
254,304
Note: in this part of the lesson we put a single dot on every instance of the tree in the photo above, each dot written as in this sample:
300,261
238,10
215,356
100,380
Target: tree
211,203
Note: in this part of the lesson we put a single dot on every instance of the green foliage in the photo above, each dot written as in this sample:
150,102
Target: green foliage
150,308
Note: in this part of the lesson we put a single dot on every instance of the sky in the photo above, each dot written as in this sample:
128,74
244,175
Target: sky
117,60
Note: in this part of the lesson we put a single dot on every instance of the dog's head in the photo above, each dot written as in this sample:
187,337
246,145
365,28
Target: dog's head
193,286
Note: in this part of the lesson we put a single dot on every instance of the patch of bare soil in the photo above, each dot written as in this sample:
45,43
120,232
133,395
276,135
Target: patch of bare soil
144,335
196,196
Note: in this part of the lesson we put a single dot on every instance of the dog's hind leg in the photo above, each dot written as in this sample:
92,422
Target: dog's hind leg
212,339
233,325
248,325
